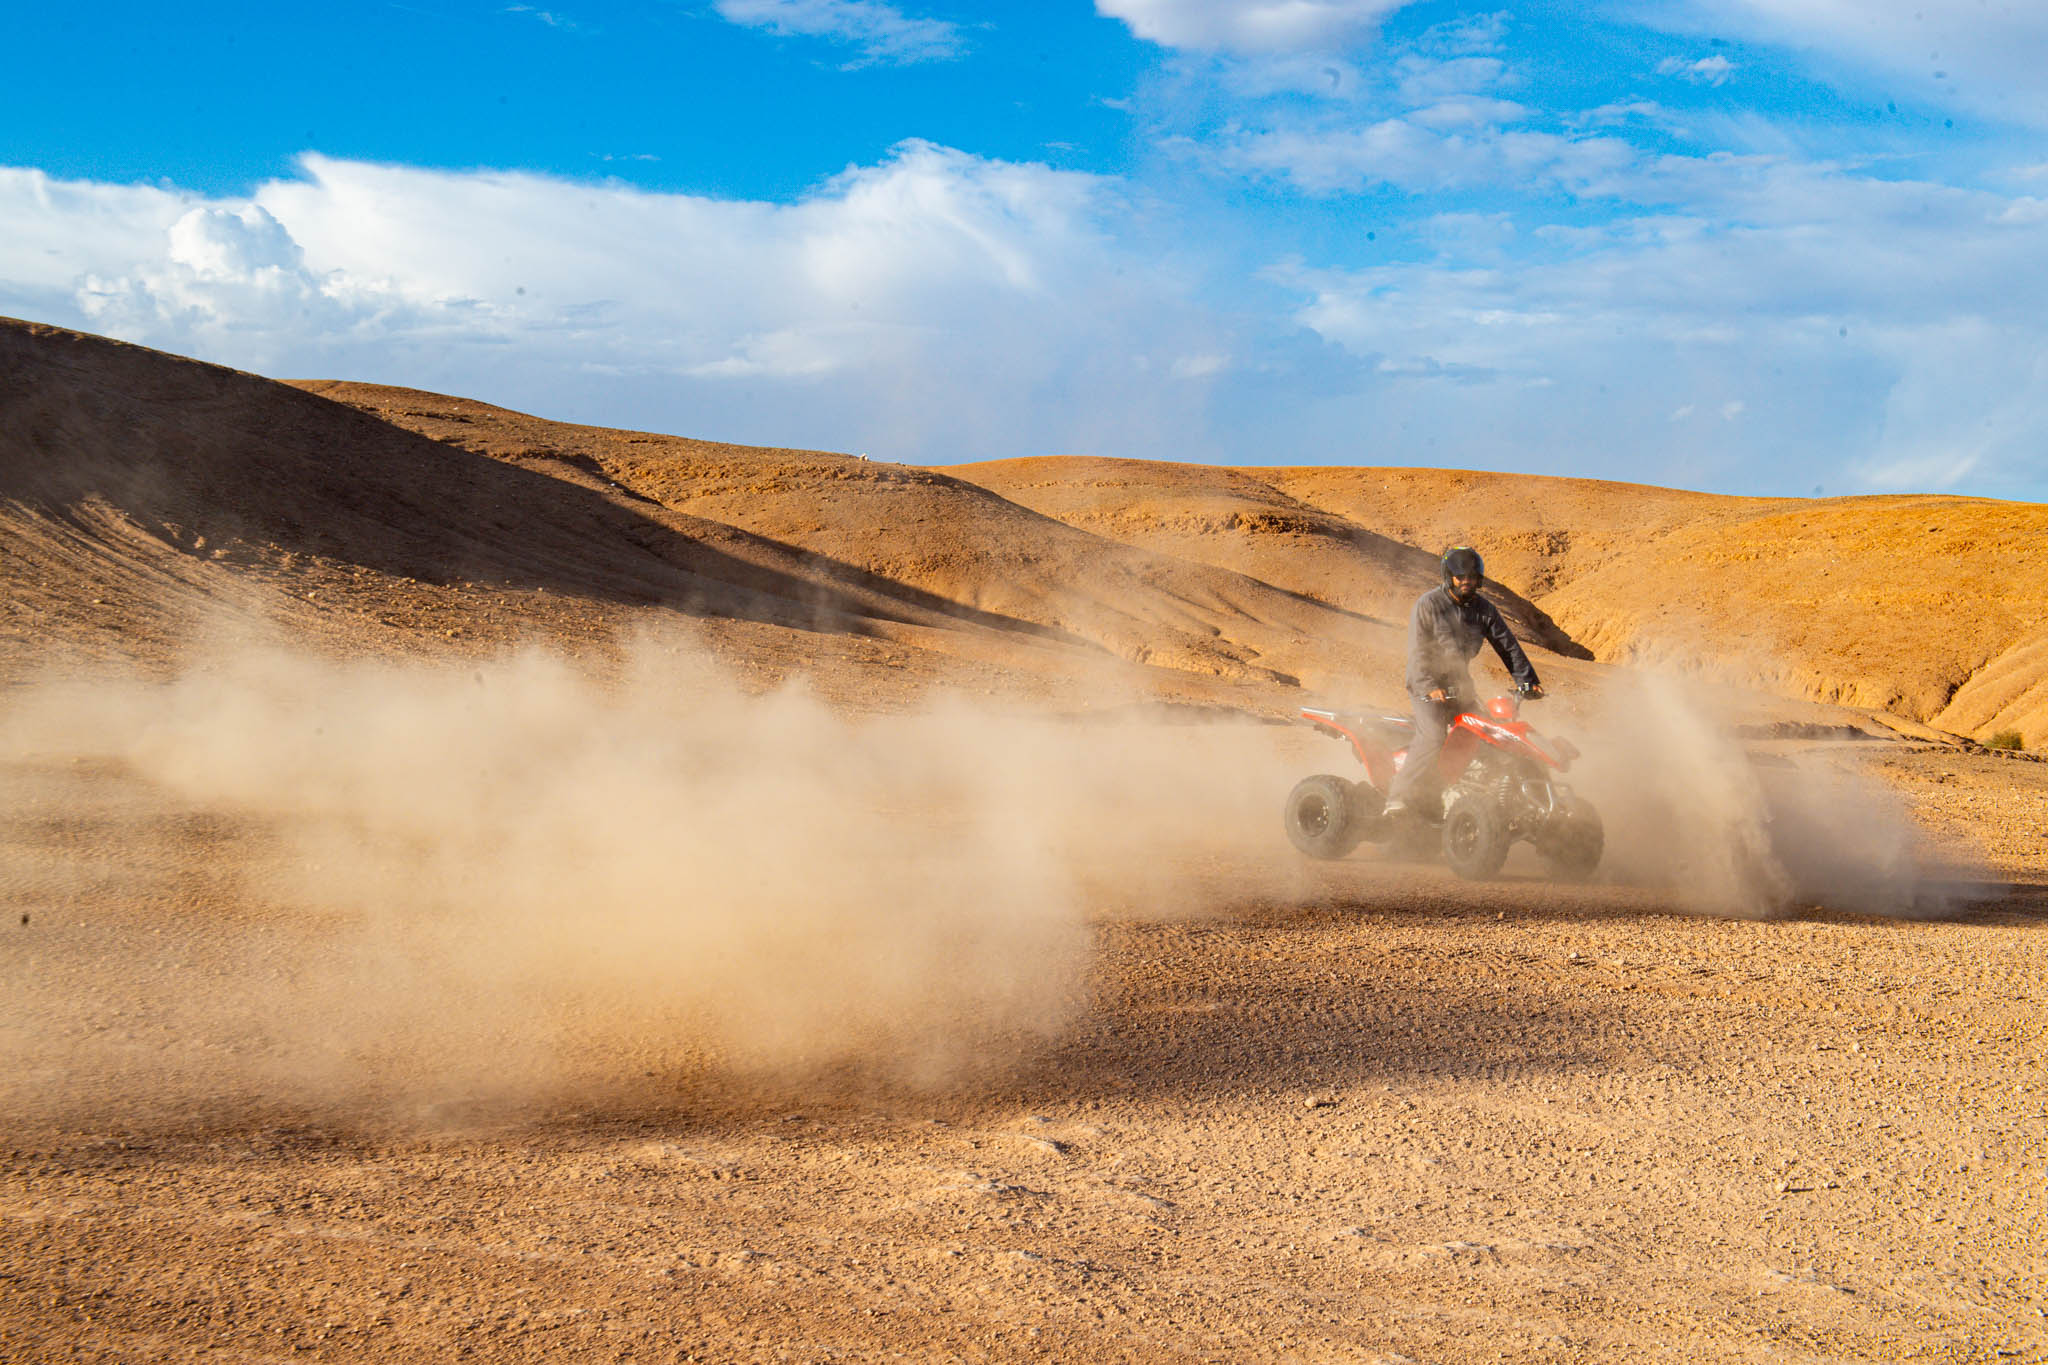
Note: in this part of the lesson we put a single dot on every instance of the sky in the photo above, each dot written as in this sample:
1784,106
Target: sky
1769,247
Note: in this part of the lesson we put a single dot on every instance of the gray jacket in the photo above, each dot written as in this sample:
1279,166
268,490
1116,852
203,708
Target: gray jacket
1443,638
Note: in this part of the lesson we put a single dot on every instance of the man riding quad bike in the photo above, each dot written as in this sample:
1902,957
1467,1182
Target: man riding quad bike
1487,777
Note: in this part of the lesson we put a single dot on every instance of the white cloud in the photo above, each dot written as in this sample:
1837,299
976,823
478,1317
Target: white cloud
881,32
1422,80
1713,70
1288,73
791,353
2024,211
1935,472
1252,26
1472,113
1472,33
1983,57
58,229
1470,237
1892,331
938,306
1626,111
1423,151
548,17
935,306
222,268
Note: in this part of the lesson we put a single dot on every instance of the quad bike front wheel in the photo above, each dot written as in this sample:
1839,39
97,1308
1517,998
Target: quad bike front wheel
1476,837
1326,816
1574,851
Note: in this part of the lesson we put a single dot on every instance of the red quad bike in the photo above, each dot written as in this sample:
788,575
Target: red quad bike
1500,780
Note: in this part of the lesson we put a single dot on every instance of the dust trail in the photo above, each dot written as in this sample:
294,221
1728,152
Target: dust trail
318,881
1688,808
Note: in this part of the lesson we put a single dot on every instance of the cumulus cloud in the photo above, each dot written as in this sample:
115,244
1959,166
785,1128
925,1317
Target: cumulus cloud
1252,26
880,32
221,267
934,306
1751,323
142,261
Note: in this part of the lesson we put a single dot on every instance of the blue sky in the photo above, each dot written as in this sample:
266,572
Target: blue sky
1753,246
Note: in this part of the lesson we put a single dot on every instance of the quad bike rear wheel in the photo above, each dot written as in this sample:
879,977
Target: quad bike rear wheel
1475,836
1327,817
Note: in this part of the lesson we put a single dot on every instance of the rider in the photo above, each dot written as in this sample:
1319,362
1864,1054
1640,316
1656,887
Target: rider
1444,632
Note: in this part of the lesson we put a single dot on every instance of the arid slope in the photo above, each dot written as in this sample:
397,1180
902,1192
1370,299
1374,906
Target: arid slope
145,494
949,540
145,499
1233,518
1925,606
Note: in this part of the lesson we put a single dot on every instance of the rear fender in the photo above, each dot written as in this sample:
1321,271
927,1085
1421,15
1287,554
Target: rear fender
1376,759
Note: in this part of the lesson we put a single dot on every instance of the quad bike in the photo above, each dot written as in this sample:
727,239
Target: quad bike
1500,785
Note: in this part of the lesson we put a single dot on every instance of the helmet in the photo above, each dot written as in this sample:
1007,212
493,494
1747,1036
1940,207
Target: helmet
1462,561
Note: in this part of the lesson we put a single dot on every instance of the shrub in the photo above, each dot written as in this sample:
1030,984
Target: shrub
2005,739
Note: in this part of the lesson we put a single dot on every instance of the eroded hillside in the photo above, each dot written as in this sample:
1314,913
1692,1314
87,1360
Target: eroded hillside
148,497
1924,606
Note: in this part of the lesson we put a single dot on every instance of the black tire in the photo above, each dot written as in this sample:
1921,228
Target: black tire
1575,851
1367,803
1475,837
1322,817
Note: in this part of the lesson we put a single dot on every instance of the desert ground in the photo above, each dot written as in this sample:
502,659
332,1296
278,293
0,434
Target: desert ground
481,887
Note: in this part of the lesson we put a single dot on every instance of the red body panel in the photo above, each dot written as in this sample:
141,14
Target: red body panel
1379,762
1511,735
1469,731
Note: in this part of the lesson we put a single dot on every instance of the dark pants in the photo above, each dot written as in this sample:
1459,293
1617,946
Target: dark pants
1417,783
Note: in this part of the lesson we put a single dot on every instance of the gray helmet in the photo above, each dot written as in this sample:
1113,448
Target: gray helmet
1462,561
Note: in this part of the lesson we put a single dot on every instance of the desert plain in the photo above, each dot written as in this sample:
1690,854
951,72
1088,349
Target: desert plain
480,887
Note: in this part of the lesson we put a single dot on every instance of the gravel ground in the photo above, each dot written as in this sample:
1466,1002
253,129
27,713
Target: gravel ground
1394,1117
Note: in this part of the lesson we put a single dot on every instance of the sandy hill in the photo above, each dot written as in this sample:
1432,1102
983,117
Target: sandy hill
1928,607
1177,603
143,496
1237,520
146,495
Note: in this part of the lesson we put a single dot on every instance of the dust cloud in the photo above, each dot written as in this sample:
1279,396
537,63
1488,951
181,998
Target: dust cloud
1689,808
313,881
